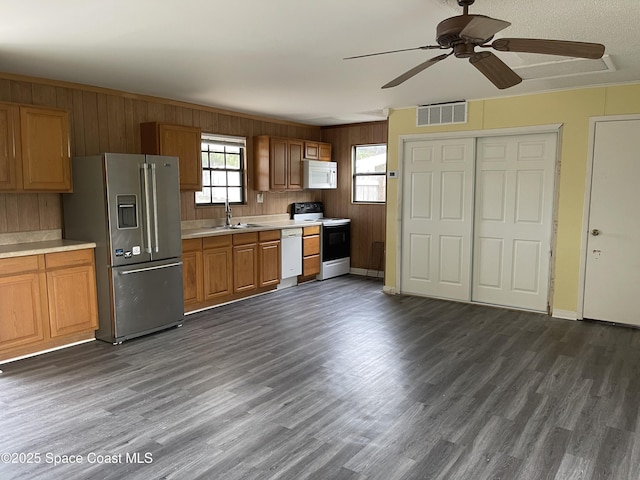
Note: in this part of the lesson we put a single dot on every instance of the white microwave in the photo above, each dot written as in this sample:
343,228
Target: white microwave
316,174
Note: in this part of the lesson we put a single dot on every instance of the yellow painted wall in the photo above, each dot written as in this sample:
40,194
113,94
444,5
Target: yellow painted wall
571,108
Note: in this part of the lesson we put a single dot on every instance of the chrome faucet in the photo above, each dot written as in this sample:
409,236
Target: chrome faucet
227,211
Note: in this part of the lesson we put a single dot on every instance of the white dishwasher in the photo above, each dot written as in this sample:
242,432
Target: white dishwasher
291,256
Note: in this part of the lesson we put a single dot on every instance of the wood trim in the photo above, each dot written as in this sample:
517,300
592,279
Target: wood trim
147,98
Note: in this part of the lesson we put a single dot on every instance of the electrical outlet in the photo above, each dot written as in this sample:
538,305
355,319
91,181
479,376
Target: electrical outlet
260,198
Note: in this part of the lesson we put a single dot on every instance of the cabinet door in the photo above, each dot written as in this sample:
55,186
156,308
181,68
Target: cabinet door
8,145
72,300
184,142
310,245
278,158
324,153
245,268
311,150
46,162
269,263
22,310
192,277
218,280
310,265
295,150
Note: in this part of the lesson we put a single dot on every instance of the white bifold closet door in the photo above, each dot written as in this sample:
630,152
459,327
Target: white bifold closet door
437,218
514,220
477,217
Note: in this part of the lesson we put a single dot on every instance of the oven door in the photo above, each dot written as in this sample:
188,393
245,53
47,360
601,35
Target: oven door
336,241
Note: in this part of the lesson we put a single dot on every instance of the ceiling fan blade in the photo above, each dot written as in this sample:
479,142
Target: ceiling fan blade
424,47
482,28
495,70
550,47
415,70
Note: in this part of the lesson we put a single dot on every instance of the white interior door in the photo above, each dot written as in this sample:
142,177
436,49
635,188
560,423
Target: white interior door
514,220
612,273
437,218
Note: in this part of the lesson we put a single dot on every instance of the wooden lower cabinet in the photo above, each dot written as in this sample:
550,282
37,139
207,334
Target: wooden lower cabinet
245,262
310,251
229,267
46,301
192,271
269,258
71,292
218,269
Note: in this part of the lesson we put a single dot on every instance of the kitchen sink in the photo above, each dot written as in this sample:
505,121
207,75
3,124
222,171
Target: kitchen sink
237,226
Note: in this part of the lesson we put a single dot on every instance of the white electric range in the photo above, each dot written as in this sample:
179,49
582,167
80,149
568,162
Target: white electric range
335,238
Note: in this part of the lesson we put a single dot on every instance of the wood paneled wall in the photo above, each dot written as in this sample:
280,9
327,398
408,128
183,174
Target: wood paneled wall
104,120
367,220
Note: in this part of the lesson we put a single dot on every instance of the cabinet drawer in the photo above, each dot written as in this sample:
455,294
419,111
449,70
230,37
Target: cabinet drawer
311,265
310,245
10,266
269,235
216,241
245,238
68,259
314,230
192,245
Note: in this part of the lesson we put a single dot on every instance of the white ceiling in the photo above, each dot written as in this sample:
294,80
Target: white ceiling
283,58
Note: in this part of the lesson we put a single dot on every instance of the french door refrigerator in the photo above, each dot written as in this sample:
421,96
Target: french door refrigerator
129,205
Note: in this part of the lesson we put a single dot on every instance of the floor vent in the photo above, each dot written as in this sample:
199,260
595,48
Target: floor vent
441,114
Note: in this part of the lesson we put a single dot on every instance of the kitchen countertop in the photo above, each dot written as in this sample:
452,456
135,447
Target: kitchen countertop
260,226
38,248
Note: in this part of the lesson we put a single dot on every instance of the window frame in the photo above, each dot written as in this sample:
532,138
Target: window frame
225,141
355,175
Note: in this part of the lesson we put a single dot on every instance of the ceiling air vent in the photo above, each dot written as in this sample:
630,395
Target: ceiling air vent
441,113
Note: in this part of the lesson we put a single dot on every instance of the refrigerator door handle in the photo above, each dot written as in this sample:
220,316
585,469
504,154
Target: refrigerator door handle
147,212
154,188
147,269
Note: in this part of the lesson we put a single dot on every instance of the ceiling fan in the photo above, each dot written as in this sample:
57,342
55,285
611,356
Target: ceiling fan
463,33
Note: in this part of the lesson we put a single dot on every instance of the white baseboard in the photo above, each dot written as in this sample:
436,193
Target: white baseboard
9,360
564,314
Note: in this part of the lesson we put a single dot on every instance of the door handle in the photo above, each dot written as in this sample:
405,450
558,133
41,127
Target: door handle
595,232
154,189
147,211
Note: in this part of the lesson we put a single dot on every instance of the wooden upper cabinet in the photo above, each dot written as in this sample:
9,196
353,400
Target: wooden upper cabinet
46,152
294,164
8,147
317,151
176,141
35,154
277,163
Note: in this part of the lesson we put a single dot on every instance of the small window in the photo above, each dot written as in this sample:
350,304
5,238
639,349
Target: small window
223,170
370,173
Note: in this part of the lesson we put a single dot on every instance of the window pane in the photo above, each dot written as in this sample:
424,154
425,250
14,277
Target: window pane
206,177
370,158
233,150
370,188
219,194
219,178
234,179
205,159
233,161
216,148
204,196
217,160
235,194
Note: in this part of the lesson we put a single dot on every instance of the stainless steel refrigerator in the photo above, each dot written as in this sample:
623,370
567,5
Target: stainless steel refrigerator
129,205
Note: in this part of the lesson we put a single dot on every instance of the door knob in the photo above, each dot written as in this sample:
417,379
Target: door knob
595,232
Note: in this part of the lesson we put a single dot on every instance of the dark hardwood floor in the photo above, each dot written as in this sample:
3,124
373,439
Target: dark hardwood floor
333,380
